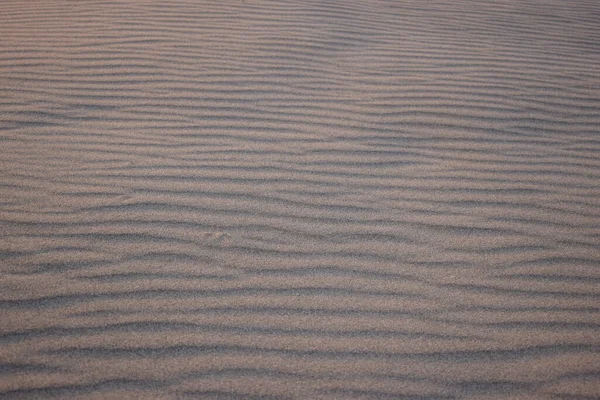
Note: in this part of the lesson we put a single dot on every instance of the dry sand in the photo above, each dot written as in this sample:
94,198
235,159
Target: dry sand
300,199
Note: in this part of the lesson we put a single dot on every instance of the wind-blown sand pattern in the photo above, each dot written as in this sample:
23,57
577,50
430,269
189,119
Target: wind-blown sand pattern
300,199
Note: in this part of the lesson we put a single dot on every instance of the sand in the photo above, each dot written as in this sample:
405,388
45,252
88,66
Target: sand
300,199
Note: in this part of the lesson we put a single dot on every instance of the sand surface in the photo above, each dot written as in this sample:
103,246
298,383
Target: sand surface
300,199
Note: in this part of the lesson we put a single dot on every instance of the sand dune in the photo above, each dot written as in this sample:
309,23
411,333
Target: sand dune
300,199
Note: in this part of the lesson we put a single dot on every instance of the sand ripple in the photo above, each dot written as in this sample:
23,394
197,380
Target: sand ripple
299,199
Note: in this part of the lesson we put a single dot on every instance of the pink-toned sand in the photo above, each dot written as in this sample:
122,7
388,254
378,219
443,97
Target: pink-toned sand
300,199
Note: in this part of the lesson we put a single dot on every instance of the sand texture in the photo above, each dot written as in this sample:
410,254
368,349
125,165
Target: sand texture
361,199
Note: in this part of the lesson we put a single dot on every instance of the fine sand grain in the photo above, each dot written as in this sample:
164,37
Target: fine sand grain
300,199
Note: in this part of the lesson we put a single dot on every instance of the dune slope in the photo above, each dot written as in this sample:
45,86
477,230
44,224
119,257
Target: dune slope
300,199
